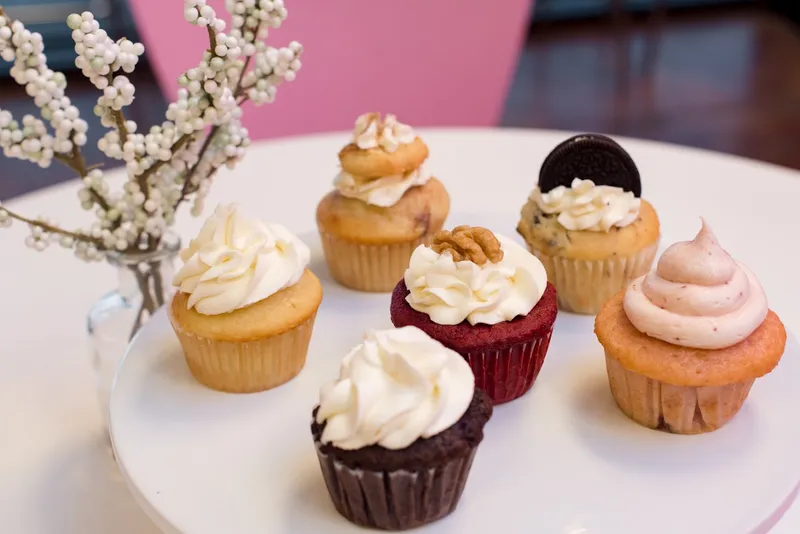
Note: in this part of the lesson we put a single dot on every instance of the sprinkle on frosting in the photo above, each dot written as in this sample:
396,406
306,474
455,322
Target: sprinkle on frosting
697,297
388,134
451,291
236,261
586,206
396,387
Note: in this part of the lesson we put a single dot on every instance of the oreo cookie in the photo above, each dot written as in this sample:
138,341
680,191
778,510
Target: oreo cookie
592,157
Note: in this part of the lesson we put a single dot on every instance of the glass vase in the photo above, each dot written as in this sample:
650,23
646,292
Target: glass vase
144,285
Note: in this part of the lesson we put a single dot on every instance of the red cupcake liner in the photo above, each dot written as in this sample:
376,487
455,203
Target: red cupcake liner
509,373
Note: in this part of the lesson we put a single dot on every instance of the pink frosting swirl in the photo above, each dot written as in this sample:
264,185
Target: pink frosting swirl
697,297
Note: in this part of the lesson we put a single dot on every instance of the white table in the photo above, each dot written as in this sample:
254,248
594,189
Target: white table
55,473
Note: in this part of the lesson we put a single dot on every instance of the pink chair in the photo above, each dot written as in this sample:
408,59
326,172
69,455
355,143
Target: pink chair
431,62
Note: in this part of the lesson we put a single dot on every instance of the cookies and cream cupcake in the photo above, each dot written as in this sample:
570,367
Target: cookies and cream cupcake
385,204
397,431
246,303
685,343
485,297
587,222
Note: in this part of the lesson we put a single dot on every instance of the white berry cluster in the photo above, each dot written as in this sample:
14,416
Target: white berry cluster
26,50
252,19
30,141
166,164
41,237
227,148
100,57
272,67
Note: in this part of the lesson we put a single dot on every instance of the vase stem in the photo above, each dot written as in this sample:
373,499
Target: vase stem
148,279
114,320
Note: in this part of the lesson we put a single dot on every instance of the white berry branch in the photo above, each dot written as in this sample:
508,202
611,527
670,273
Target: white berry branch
167,164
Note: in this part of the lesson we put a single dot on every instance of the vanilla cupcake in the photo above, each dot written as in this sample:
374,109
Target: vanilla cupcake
383,206
587,222
246,303
685,343
397,431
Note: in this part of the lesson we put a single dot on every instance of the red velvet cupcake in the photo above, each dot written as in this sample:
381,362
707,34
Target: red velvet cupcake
485,297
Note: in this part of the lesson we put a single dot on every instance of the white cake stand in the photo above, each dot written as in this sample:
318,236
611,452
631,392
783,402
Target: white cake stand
562,459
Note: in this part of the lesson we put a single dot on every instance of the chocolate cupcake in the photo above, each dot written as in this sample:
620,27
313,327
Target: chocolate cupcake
404,462
488,299
587,223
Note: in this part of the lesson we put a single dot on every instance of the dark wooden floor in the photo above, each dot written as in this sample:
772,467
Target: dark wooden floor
725,79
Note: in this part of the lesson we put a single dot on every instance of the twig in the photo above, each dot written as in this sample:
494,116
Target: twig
187,184
148,304
119,118
158,282
191,190
240,89
212,38
177,145
54,229
77,163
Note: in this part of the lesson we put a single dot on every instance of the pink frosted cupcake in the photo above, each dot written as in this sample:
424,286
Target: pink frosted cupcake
685,343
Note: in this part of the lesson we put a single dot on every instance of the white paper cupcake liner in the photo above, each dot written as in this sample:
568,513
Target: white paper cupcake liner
246,367
369,268
583,286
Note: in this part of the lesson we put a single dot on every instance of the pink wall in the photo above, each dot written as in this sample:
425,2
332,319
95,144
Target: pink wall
432,62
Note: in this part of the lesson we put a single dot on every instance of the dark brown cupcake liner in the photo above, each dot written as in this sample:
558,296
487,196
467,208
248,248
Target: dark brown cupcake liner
395,500
509,373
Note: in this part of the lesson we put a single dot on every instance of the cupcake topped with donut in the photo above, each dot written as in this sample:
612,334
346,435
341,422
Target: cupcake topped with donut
384,204
486,297
685,342
587,222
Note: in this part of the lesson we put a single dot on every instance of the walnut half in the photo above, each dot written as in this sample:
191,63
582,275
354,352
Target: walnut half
471,243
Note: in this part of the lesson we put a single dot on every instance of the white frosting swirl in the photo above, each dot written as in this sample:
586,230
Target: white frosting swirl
372,132
586,206
236,261
396,387
697,297
451,292
382,192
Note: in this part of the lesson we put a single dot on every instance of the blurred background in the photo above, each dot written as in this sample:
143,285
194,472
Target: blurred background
715,74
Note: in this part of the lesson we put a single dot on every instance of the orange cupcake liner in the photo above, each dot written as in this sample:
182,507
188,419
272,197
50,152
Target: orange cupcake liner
369,268
246,367
676,409
583,286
